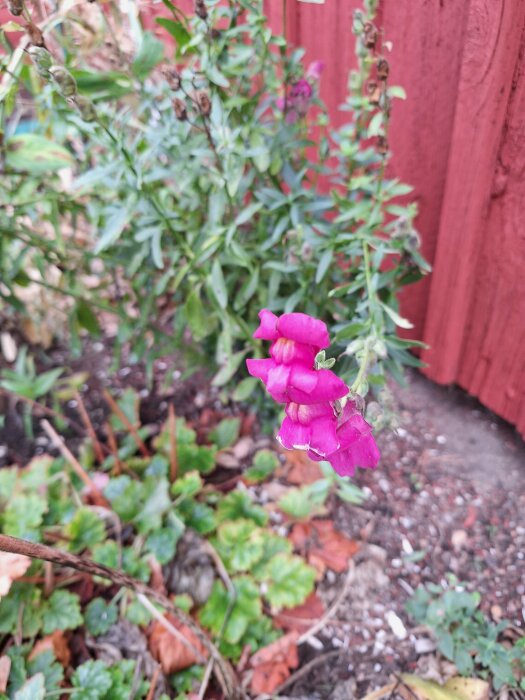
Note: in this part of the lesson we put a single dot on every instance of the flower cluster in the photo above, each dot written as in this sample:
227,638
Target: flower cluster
317,419
299,96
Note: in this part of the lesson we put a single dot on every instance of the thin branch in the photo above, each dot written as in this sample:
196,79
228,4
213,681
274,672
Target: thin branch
73,463
172,432
222,668
127,423
350,576
97,447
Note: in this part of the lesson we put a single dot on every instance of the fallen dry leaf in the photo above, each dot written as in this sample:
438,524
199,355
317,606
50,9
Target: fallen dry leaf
302,617
300,469
169,651
271,664
323,545
469,688
157,578
5,668
57,643
12,566
416,687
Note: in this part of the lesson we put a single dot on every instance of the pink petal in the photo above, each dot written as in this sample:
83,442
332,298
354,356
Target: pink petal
305,414
342,463
328,387
324,439
315,69
304,329
285,351
278,380
303,378
268,326
260,368
294,436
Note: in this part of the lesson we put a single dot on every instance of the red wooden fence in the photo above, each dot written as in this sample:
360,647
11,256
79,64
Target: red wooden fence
460,140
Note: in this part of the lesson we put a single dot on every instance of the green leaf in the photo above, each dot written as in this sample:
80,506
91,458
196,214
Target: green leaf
45,663
46,381
188,485
264,463
157,503
376,124
177,30
33,689
247,213
218,285
61,612
227,371
239,544
198,516
396,318
85,530
247,609
324,264
91,681
198,320
150,53
99,616
289,581
35,154
215,76
115,224
199,457
397,91
23,516
245,389
226,432
86,318
162,543
238,505
302,502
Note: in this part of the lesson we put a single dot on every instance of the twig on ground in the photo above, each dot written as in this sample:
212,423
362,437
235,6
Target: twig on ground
127,423
332,609
222,669
172,431
73,462
97,447
381,692
113,448
154,680
206,680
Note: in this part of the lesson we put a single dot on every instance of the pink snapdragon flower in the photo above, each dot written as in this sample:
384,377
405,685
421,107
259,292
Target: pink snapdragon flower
357,447
312,422
299,96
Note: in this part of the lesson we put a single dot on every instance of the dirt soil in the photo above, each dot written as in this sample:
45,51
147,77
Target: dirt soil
448,496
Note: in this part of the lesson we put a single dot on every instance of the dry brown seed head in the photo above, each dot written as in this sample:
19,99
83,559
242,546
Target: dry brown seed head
180,109
383,69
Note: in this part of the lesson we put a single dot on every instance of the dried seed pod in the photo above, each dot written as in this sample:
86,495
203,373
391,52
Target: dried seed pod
64,81
374,92
85,107
369,35
203,101
180,109
173,78
383,69
42,60
200,9
382,145
35,34
15,7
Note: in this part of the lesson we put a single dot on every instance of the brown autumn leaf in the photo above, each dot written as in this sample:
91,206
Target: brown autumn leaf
5,668
302,617
323,545
300,469
172,654
57,643
157,578
271,664
12,566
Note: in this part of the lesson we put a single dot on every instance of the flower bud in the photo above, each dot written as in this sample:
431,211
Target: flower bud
85,107
64,81
42,60
15,7
383,69
202,99
180,109
173,78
